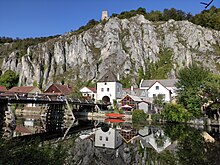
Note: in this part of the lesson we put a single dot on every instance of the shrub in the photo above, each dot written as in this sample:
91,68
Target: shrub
139,116
175,113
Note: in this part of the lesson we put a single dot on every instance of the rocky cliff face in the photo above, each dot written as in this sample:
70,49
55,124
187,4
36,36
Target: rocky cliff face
125,46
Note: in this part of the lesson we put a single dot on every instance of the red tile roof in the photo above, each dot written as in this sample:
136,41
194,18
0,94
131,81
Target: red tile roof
92,89
3,88
22,129
22,89
59,89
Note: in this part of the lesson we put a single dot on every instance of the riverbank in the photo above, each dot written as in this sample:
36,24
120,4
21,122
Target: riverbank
99,115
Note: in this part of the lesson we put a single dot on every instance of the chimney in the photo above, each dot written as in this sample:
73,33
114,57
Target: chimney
132,88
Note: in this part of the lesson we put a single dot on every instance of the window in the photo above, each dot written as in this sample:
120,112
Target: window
154,95
106,138
157,87
100,137
105,83
102,89
107,89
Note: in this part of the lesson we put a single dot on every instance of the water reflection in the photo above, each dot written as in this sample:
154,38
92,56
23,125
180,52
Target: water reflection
121,142
27,125
167,144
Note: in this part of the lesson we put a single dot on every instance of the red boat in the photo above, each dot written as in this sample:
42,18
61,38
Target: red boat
114,120
114,115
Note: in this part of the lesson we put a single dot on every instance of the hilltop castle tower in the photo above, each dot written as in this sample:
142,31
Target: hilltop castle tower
104,15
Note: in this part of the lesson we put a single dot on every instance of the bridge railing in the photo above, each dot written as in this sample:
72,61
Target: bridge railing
43,97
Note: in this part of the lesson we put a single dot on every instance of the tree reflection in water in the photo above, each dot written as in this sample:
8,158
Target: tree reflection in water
109,143
162,145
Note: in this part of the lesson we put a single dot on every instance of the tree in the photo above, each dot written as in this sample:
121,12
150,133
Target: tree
159,102
175,113
190,82
191,77
9,79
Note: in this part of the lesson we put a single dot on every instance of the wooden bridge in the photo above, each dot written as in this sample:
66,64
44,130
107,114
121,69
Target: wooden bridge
59,108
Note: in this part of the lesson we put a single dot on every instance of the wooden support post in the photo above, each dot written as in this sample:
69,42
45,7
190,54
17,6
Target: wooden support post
54,117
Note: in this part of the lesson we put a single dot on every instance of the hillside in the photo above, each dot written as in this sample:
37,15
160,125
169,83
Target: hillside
133,47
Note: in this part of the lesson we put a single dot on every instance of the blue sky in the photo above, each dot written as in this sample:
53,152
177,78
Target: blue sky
39,18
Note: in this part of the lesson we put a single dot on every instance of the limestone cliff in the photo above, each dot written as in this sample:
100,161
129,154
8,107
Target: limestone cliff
129,47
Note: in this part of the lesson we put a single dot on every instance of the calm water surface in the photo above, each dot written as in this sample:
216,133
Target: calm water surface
106,142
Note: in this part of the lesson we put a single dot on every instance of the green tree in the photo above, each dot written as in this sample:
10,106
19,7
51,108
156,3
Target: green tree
9,79
210,93
159,101
190,82
175,113
191,77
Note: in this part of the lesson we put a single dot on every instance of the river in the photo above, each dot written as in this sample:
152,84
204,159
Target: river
107,142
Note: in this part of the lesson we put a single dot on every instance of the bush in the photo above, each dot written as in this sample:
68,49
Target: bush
139,116
175,113
156,117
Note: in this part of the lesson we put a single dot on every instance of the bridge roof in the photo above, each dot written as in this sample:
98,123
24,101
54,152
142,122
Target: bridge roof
3,88
22,89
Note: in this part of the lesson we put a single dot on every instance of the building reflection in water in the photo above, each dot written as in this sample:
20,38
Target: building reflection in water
27,125
119,136
108,137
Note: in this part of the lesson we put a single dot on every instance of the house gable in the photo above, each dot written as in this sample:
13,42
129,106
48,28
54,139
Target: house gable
109,77
59,89
87,90
157,88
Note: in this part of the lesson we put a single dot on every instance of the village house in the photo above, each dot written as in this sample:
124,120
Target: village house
58,89
109,88
89,93
26,91
131,102
165,87
141,93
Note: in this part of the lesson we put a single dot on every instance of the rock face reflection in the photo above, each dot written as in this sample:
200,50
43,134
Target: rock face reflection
107,143
121,145
156,145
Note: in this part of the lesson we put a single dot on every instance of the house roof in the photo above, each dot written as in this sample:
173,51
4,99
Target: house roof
3,88
135,98
128,134
136,91
92,89
22,89
22,129
109,77
62,89
164,82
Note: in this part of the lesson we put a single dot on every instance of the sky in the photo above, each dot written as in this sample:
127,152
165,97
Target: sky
42,18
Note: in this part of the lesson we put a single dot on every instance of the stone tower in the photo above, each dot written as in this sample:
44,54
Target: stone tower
104,15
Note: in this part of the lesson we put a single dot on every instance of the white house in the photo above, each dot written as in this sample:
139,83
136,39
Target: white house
107,139
89,92
109,88
166,88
